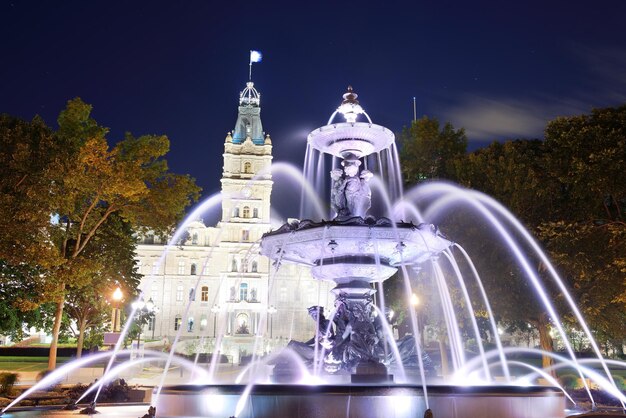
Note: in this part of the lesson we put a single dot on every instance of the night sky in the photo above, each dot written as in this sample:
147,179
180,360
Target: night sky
500,69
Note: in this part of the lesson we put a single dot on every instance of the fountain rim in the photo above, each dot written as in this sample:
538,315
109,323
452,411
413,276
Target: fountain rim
338,139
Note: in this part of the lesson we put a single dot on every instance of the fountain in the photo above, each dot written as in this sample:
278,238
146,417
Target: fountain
347,363
353,366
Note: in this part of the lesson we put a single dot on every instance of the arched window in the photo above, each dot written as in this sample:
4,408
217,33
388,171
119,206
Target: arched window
247,167
177,321
194,268
255,213
233,265
245,235
236,213
254,266
246,211
194,238
204,294
242,324
243,291
190,324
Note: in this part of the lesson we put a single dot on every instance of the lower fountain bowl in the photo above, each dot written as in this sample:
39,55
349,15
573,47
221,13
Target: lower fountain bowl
329,401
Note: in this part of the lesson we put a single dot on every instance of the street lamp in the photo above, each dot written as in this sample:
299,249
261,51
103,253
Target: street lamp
116,298
215,309
415,300
144,309
271,311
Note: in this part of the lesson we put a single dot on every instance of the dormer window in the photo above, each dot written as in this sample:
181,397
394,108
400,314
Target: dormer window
246,211
236,213
247,167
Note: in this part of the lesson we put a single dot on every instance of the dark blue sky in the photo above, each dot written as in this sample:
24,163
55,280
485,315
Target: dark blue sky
499,69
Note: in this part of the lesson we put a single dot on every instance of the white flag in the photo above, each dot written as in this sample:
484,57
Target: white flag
255,56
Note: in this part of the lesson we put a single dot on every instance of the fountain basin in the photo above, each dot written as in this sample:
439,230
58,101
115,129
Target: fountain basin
330,401
354,247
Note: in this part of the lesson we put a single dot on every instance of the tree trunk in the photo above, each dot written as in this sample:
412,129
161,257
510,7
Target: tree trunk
56,329
545,341
443,351
81,337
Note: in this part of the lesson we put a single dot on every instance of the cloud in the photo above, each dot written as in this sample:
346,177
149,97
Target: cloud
602,83
487,118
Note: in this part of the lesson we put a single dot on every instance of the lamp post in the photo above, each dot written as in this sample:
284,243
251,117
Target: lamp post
271,311
416,302
215,310
116,298
143,310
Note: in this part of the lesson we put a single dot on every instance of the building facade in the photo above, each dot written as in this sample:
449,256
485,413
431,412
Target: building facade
240,302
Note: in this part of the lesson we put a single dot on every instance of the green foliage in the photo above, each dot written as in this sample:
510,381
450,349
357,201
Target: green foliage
428,151
7,381
100,195
570,381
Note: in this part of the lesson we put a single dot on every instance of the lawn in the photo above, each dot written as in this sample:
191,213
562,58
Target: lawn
27,364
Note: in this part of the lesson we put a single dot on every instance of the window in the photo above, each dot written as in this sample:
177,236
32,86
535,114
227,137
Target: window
203,322
179,293
151,323
181,267
204,294
233,266
177,321
243,291
246,211
149,239
254,266
245,235
194,238
236,213
247,167
192,294
242,324
255,212
193,269
190,324
205,269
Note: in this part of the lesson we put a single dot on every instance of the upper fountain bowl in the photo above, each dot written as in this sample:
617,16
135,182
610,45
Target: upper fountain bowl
350,139
346,139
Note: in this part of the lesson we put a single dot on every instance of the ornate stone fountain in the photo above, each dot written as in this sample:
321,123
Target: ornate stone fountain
353,250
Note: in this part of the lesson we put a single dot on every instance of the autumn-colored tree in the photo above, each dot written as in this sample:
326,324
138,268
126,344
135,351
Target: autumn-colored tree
78,178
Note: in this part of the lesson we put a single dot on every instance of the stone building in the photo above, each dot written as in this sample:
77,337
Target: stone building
239,294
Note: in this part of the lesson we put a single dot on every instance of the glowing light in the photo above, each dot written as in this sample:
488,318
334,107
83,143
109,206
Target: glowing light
117,294
415,300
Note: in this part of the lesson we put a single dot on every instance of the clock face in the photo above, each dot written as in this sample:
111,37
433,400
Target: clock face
246,192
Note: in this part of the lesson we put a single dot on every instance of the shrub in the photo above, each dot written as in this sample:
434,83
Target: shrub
7,381
569,381
620,382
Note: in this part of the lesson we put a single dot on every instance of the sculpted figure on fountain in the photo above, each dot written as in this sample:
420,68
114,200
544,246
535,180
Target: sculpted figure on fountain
322,341
350,192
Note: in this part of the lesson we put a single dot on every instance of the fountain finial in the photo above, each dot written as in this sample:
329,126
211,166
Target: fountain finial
350,97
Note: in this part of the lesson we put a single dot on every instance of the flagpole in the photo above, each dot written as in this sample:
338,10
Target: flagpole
250,73
414,110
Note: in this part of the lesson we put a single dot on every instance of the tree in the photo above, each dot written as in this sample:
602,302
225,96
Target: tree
84,182
428,151
114,251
